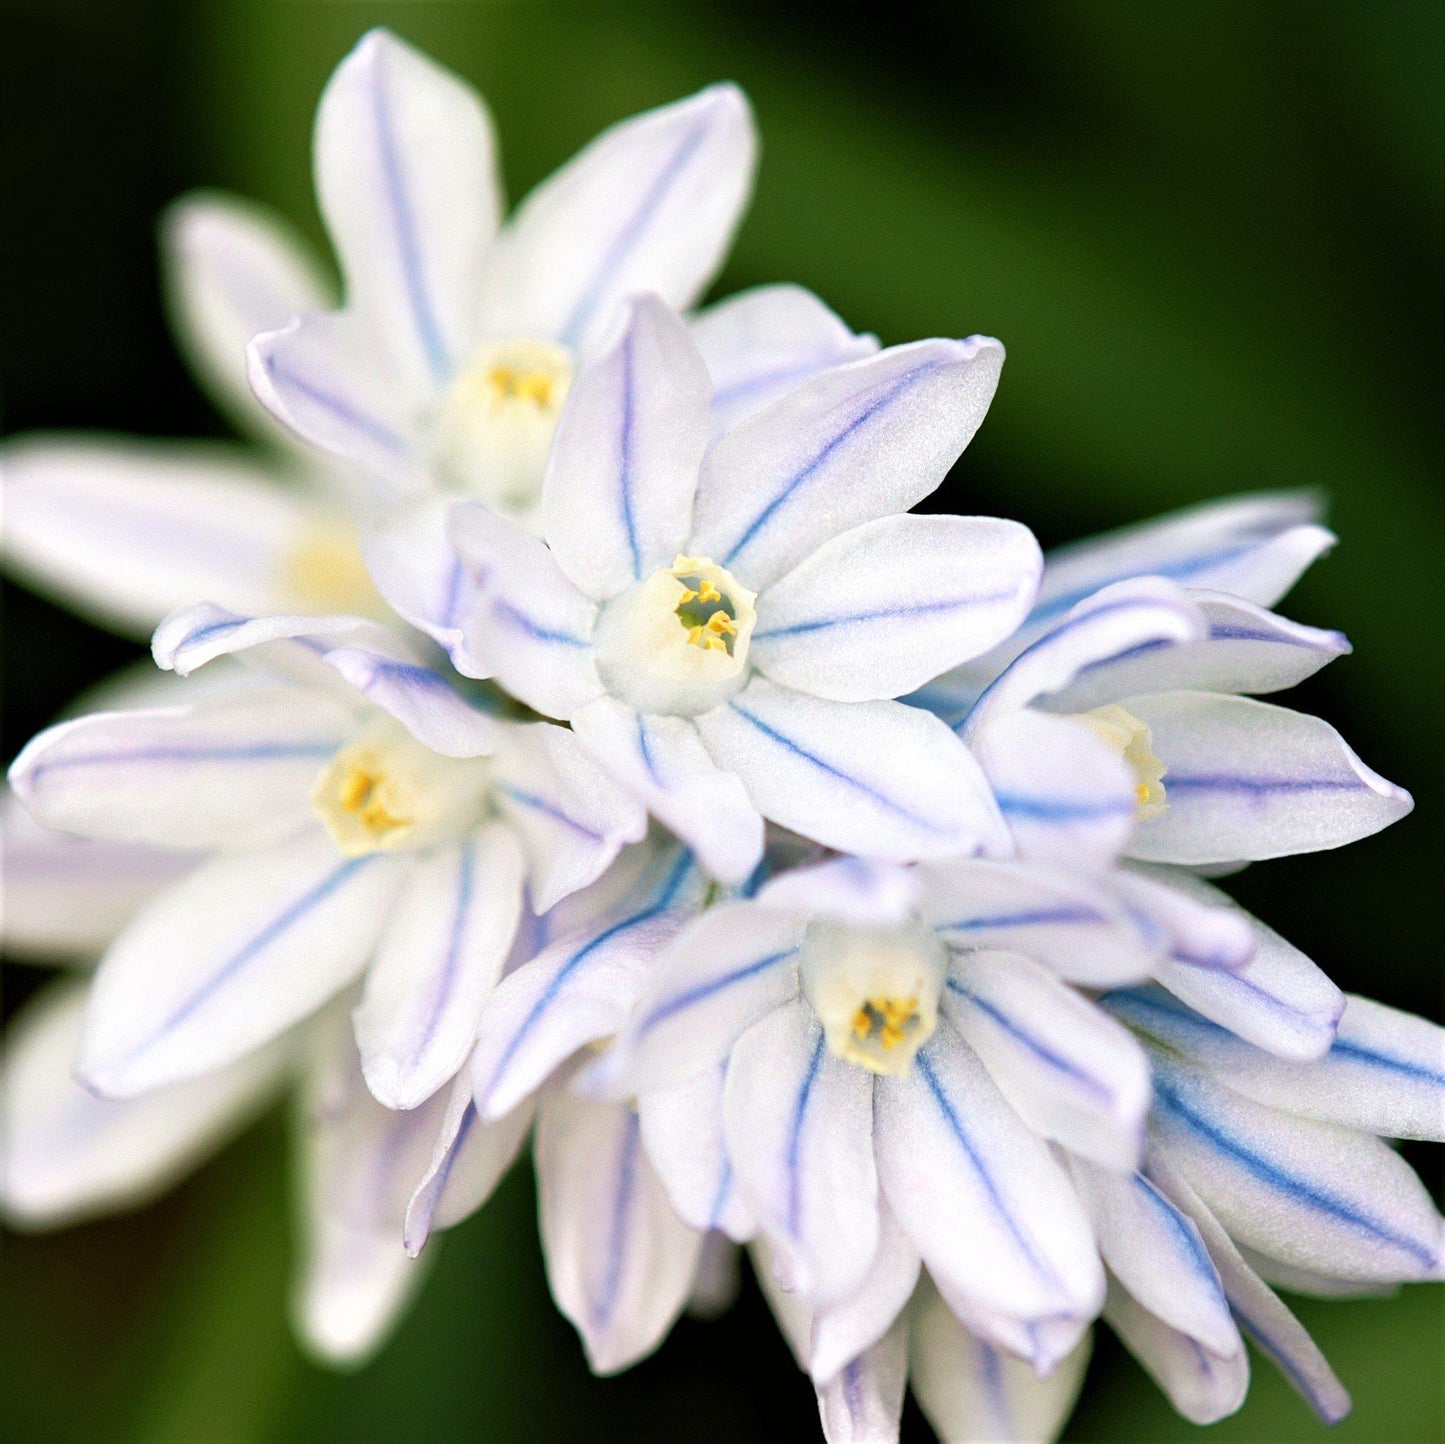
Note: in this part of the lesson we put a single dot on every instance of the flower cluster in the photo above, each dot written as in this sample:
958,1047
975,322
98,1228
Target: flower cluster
589,745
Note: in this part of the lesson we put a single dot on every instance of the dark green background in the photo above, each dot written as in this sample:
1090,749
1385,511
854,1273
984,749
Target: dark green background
1209,234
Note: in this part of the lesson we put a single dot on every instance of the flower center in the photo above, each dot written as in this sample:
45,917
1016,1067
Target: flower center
1125,735
323,572
875,991
677,642
385,792
494,429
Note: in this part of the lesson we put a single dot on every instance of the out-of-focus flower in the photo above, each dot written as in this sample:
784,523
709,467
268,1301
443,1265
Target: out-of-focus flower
725,626
460,336
126,531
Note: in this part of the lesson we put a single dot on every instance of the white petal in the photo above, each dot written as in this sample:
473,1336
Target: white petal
1070,925
1156,1252
850,445
760,343
438,959
1204,1385
1202,929
875,778
230,772
287,645
357,1161
318,376
849,889
406,181
576,990
799,1132
532,629
1256,1309
725,970
979,1195
650,205
1248,780
415,567
663,763
1253,547
1279,1000
233,269
1385,1074
1310,1284
67,1155
1247,649
1042,1343
1119,620
66,896
421,698
228,958
682,1130
1070,1071
794,1317
1067,797
617,500
1312,1194
886,606
863,1402
571,817
468,1160
718,1280
619,1260
846,1330
970,1392
126,531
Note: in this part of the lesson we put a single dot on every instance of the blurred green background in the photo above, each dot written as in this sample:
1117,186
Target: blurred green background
1209,234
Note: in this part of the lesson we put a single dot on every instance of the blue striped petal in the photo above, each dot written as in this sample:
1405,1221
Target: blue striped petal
617,500
863,1402
231,956
798,1123
578,989
619,1260
406,182
851,445
1312,1194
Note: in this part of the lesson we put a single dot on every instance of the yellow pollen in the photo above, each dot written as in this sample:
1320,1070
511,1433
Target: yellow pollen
324,572
885,1019
514,383
358,794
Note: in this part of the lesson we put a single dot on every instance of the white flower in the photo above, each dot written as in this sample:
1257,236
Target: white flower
460,338
725,626
1113,721
341,844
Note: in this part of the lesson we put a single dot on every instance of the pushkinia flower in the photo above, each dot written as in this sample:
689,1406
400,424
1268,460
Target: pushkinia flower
726,625
341,844
460,337
1122,726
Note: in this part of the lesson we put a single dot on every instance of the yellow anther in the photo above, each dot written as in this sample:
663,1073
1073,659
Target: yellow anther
512,383
862,1023
686,597
721,622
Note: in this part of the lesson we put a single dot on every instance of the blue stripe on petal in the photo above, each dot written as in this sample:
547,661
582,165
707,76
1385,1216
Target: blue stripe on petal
795,1139
624,460
1054,809
761,520
1038,1048
955,1126
1272,1175
252,752
857,784
274,930
549,994
671,1006
398,203
548,809
1191,1246
1372,1058
506,612
340,408
1032,917
623,1196
885,614
1259,787
631,232
1282,1360
461,914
